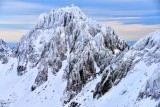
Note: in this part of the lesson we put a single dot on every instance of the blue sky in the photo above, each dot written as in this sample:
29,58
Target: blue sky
131,19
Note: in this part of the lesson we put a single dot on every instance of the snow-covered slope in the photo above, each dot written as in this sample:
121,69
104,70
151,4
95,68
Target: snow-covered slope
132,80
69,60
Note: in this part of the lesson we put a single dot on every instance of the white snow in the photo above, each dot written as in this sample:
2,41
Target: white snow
55,39
17,90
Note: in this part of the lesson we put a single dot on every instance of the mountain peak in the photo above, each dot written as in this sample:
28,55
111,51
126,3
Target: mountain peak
69,60
66,34
4,52
3,45
149,41
60,17
70,9
2,42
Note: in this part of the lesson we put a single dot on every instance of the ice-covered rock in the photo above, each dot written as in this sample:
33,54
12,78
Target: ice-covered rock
138,69
68,60
3,46
5,52
68,34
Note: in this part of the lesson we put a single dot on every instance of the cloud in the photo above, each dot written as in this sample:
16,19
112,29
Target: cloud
24,8
117,12
18,19
100,19
15,5
105,1
146,20
12,35
131,32
131,19
125,16
21,22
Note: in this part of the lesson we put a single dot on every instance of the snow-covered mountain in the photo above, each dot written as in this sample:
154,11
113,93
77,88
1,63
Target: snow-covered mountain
5,51
131,80
69,60
66,34
3,46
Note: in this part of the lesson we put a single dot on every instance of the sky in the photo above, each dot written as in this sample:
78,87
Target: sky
131,19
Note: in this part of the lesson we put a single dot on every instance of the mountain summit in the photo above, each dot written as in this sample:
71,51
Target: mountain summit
5,51
3,46
65,47
67,35
68,60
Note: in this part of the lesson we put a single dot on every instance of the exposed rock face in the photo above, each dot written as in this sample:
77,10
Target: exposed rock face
67,34
4,52
74,104
3,46
65,44
147,50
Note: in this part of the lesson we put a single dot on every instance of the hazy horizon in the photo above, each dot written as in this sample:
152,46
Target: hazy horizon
131,19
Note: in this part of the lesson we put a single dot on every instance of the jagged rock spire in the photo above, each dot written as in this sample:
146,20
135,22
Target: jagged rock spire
68,34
